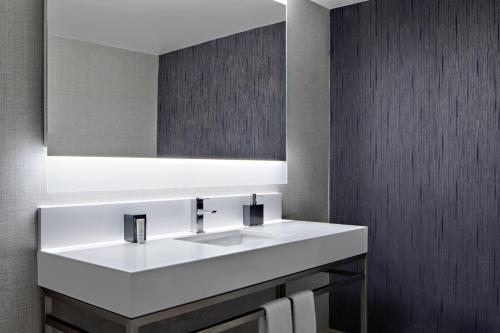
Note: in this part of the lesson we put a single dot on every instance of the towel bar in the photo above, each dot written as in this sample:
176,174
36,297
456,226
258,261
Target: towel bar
62,325
255,315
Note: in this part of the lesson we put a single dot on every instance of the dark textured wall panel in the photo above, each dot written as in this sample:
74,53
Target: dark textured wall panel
225,98
415,155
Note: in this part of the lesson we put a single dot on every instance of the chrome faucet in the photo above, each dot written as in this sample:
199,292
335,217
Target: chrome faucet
197,215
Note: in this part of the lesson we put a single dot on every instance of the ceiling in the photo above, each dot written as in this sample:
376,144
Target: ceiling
330,4
158,26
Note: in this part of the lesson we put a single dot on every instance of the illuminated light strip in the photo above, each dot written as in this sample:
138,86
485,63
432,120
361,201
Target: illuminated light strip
283,2
83,174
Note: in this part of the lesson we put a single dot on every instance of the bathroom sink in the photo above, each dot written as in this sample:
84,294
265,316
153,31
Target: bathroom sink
233,238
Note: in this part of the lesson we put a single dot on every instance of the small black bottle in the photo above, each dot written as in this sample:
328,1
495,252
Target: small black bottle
253,214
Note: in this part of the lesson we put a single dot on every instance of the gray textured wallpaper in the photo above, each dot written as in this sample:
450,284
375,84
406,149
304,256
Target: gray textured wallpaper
225,98
308,124
416,157
21,161
308,111
102,100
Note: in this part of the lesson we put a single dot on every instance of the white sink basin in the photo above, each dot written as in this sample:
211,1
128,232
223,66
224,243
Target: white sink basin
233,238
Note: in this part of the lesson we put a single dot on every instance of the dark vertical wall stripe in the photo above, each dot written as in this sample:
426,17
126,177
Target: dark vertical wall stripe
415,155
225,98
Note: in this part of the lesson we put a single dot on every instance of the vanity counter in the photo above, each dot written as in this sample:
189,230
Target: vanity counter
137,279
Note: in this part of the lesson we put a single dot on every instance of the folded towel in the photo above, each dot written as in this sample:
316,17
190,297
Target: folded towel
303,312
278,317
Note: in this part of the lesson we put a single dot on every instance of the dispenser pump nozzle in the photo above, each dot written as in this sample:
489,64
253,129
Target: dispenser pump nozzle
254,199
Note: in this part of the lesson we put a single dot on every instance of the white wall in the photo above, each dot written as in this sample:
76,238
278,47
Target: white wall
308,111
21,161
102,101
308,125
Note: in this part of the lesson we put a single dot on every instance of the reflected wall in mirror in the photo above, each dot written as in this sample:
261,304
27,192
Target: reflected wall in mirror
166,78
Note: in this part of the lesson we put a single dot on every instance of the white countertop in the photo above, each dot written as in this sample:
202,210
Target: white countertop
137,279
168,251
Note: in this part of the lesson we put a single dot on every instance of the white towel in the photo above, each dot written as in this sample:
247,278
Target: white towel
303,312
278,317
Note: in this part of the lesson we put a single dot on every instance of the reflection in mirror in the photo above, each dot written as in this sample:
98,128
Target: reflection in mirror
166,78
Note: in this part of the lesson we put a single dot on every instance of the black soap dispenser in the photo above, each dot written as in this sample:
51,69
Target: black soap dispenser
134,228
253,214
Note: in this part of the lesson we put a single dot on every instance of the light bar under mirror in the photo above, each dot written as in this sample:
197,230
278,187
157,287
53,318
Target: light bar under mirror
89,174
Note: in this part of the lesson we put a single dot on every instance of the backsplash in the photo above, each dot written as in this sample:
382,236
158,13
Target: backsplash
75,225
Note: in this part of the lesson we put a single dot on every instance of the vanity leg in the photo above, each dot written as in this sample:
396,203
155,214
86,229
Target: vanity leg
47,309
132,328
364,296
281,291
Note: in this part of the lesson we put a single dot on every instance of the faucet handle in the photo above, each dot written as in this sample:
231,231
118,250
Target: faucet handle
201,212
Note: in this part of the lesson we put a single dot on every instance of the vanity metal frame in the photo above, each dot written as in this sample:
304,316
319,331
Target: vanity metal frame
132,325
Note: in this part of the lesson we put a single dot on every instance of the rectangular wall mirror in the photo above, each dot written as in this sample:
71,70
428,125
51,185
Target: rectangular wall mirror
166,78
